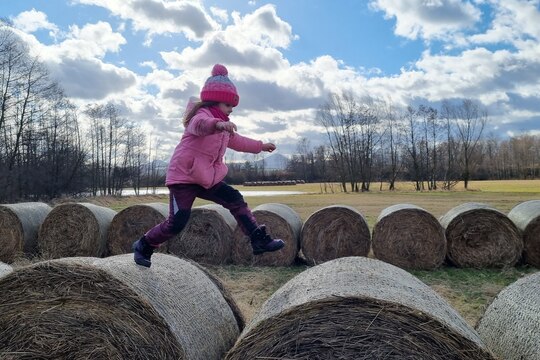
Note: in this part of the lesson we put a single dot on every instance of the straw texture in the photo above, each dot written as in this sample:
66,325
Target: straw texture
333,232
282,222
207,238
19,225
408,236
75,229
479,236
510,326
131,223
357,308
82,308
526,216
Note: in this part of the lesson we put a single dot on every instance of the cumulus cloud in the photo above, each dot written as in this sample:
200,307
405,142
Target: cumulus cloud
429,19
90,79
33,20
162,17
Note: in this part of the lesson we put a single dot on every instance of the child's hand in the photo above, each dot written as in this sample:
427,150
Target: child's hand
226,126
268,147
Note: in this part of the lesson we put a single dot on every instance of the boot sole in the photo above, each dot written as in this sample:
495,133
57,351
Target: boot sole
262,251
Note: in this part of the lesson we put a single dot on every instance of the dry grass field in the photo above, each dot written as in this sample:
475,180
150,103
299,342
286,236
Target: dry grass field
469,291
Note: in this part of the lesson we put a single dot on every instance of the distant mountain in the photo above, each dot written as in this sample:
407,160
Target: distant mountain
273,162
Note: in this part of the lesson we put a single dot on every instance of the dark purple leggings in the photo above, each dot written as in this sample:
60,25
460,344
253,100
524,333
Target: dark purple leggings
181,198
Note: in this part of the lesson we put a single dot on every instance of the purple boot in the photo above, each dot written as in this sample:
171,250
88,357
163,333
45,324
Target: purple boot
142,252
262,242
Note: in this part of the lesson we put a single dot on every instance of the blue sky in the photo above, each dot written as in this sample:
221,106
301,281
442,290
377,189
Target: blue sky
285,57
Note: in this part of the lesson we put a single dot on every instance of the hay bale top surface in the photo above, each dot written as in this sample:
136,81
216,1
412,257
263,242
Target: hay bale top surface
464,210
4,269
525,213
191,316
398,207
362,277
510,327
224,213
181,293
284,211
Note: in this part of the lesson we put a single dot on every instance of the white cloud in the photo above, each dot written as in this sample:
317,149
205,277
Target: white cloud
429,19
221,14
513,20
33,20
161,16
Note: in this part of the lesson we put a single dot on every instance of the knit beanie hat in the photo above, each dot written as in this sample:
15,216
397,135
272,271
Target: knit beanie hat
219,87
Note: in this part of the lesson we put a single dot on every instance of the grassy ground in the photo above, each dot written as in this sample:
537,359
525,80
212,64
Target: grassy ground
469,291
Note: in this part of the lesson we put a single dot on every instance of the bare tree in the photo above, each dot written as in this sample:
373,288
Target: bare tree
469,120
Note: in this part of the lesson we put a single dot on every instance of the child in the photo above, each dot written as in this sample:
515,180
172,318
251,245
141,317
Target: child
196,169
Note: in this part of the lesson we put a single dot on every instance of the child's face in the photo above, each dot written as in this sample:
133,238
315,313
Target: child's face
226,108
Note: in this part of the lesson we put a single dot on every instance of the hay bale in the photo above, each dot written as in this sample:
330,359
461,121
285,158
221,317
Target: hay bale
510,327
333,232
357,308
75,229
526,216
131,223
90,308
408,236
281,222
19,225
207,237
4,269
479,236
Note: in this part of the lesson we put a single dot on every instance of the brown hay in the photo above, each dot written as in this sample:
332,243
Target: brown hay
113,309
333,232
207,237
281,222
510,326
357,308
408,236
132,223
19,225
75,229
5,269
526,216
479,236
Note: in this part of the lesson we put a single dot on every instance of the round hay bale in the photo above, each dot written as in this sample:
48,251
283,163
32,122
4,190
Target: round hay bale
510,327
479,236
281,222
131,223
207,237
90,308
19,225
526,216
357,308
75,229
5,269
333,232
408,236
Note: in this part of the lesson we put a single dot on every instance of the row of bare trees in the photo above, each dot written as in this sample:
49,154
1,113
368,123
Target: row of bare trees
44,152
371,141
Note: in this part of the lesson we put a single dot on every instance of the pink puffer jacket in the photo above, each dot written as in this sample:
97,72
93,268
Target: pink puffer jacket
198,158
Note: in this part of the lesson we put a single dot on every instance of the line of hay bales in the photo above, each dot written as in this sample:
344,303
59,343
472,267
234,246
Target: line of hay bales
346,307
470,235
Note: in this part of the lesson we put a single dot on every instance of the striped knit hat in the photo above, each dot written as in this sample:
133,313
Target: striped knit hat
219,87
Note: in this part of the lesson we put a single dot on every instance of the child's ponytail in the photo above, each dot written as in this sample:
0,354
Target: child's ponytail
192,109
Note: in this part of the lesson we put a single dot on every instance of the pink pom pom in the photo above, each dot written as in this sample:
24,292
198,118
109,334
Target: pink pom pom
219,69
